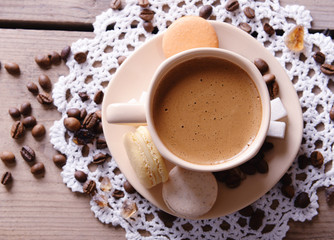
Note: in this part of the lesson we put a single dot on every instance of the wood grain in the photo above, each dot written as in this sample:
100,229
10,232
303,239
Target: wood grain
83,12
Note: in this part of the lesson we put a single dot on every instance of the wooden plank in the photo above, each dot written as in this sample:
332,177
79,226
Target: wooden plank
61,12
39,208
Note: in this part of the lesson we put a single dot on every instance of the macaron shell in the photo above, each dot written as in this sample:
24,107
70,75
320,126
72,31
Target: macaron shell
190,194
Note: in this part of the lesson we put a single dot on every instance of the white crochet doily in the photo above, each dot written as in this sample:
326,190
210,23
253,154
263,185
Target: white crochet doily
119,33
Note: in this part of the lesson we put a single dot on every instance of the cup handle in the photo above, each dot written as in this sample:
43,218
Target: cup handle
126,113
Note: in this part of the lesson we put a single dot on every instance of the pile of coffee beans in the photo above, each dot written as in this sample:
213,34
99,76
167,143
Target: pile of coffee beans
255,217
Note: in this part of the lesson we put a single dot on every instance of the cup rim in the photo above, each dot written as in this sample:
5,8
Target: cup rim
254,74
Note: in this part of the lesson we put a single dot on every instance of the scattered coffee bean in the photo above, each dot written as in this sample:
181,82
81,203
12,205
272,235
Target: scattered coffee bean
80,57
72,124
45,82
99,158
232,5
303,161
28,154
14,112
268,29
17,130
59,160
288,191
245,27
7,157
273,89
233,179
255,222
317,160
89,187
38,131
261,65
286,179
98,114
98,97
269,78
302,200
205,11
249,12
267,146
319,57
32,87
101,143
12,68
29,121
37,168
80,176
247,211
85,150
25,108
44,98
147,14
116,4
248,168
143,3
65,52
118,194
327,69
148,26
6,178
329,193
43,61
83,96
221,175
73,112
331,113
128,187
262,166
83,113
98,128
90,121
55,58
120,60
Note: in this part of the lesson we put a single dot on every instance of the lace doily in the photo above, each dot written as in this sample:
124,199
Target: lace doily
119,33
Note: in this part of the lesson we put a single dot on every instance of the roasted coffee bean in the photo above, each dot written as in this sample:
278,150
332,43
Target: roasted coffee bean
44,98
233,180
331,113
143,3
80,176
6,178
83,96
73,112
147,14
255,222
83,136
29,121
99,158
59,160
37,168
221,176
261,65
12,68
247,211
288,191
7,157
25,108
249,12
329,193
14,112
245,27
269,78
43,61
262,166
38,131
268,29
327,69
319,57
72,124
85,150
55,58
65,52
128,187
317,160
28,153
267,146
273,89
80,57
258,157
17,130
120,60
98,97
99,128
302,200
303,161
116,4
90,121
45,82
98,114
118,194
32,87
83,113
286,179
148,26
232,5
101,143
205,11
89,187
248,168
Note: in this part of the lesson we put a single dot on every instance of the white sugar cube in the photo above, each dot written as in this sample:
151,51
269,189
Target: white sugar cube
277,109
276,129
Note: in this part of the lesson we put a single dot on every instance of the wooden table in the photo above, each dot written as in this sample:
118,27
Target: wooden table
44,208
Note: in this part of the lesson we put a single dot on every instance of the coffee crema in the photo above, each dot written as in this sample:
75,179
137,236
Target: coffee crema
207,110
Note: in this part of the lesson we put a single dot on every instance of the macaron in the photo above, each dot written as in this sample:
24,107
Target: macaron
186,33
144,157
189,194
